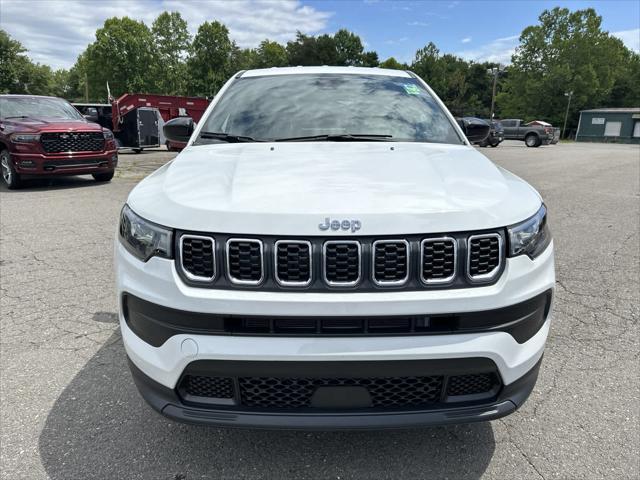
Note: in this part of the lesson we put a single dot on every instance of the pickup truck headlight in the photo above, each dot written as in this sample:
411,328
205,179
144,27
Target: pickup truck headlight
142,238
25,138
108,134
530,237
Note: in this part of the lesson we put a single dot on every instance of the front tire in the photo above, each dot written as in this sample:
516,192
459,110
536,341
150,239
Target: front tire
11,179
532,140
103,177
136,150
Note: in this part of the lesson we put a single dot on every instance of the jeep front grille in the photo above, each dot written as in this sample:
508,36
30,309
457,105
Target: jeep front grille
293,262
484,256
390,262
197,254
60,142
342,262
438,260
317,264
245,262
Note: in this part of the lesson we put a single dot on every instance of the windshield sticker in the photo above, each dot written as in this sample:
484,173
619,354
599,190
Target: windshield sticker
411,89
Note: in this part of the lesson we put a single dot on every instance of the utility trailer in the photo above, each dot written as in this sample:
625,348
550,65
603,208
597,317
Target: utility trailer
136,119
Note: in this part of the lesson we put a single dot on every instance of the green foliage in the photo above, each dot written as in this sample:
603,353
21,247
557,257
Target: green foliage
567,51
393,64
123,55
209,61
172,40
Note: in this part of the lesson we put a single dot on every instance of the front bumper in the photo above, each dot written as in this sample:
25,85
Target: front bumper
169,403
158,369
81,163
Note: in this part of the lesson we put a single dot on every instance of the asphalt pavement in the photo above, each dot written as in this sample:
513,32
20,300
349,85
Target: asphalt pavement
69,409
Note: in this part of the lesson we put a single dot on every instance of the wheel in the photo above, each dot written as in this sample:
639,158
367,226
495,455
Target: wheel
9,175
136,150
532,140
103,177
494,145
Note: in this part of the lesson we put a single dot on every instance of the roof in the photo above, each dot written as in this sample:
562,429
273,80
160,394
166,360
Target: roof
613,110
325,69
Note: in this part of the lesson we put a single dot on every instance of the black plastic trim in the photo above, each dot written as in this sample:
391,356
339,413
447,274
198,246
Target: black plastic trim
155,324
167,402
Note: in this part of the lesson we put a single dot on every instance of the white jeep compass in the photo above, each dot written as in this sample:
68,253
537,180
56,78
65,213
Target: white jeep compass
329,251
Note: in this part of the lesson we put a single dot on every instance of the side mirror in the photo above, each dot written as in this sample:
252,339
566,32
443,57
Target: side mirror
91,114
179,129
475,129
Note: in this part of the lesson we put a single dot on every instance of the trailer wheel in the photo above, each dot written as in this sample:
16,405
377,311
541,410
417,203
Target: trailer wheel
136,150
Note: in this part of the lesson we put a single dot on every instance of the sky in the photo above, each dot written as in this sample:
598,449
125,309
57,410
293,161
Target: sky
55,32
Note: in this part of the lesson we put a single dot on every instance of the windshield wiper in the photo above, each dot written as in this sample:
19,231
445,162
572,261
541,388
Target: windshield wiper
17,116
339,137
227,137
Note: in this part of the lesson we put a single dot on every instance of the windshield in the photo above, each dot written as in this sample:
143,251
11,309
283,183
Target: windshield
38,107
304,105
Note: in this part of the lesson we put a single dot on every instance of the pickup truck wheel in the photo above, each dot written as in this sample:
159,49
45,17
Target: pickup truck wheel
494,144
532,140
103,177
136,150
9,175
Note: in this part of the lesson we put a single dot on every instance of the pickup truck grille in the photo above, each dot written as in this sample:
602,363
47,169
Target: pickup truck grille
61,142
319,264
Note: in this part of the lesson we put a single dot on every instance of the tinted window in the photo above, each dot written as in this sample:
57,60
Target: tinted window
286,106
38,107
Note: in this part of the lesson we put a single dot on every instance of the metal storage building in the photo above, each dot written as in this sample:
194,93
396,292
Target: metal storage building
621,125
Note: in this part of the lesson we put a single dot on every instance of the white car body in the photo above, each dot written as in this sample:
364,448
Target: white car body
286,190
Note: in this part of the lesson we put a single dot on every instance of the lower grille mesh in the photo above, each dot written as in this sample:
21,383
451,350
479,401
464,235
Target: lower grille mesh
269,392
297,392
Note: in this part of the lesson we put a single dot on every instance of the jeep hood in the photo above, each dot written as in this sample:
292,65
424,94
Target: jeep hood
290,188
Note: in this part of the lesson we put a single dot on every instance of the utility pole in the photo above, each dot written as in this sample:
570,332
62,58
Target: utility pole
495,71
566,114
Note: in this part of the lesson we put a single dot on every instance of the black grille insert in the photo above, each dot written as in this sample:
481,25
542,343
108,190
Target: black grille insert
386,392
471,384
390,262
342,262
198,257
207,387
293,262
56,142
484,256
270,392
244,261
438,260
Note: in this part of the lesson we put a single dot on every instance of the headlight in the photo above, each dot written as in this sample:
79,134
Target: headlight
530,237
108,134
143,238
25,138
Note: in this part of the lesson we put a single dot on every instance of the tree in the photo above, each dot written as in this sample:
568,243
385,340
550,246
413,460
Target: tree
370,59
349,49
308,50
270,54
122,55
210,58
566,51
172,41
393,64
18,74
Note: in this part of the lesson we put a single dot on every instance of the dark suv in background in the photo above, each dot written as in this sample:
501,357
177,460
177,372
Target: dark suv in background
496,134
43,136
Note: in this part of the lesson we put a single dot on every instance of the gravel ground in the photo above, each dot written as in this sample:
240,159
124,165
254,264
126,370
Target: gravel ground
69,409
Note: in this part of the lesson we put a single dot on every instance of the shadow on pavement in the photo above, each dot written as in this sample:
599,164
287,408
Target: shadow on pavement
100,428
53,183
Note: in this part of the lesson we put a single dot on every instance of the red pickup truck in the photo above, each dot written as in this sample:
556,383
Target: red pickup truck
43,136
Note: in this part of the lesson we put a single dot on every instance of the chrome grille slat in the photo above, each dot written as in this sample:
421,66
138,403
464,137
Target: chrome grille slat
342,262
438,260
292,262
198,257
245,261
484,256
390,262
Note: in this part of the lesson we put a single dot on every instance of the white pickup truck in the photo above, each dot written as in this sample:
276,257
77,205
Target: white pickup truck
329,251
